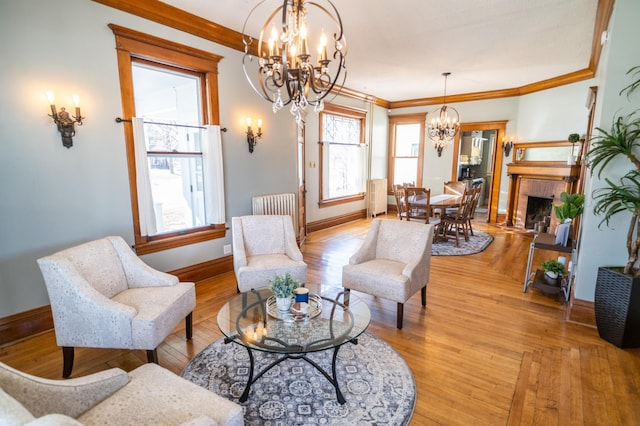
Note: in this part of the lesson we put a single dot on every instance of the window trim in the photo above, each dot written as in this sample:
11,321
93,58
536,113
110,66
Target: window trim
132,45
343,111
393,122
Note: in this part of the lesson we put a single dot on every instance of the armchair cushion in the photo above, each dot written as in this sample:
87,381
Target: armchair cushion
158,309
12,413
265,246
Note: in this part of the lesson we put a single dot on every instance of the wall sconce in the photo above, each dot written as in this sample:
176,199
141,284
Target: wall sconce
252,138
65,122
507,146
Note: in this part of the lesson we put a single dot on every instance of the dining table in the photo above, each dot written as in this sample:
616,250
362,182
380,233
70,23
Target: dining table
438,203
444,201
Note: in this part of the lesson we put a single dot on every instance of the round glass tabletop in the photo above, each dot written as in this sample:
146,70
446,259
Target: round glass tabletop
252,320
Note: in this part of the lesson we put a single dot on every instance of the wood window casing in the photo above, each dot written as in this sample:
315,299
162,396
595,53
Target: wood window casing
393,122
348,112
135,46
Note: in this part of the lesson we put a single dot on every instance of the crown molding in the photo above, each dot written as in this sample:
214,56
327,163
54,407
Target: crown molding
162,13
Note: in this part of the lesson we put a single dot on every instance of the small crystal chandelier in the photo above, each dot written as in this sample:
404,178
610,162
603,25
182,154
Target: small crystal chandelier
443,123
287,72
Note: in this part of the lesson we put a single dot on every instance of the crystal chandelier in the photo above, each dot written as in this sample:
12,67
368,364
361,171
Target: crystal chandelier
286,70
443,123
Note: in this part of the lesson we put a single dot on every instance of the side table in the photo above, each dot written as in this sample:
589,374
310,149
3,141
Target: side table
544,241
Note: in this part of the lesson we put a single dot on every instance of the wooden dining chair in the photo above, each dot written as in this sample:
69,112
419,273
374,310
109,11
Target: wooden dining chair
454,188
472,213
419,206
399,194
456,225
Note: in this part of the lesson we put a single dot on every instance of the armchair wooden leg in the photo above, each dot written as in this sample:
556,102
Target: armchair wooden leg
67,361
400,315
152,356
189,325
424,295
347,293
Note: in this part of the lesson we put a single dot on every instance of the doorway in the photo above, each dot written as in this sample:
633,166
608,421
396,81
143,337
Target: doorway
477,158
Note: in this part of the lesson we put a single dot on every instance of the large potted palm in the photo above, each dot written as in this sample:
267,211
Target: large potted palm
617,293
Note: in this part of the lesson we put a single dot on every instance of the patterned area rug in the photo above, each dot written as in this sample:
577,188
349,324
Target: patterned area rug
477,243
376,382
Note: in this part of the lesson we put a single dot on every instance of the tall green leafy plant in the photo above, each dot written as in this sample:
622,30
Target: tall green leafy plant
623,194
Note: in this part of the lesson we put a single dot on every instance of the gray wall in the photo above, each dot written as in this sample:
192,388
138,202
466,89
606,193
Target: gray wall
605,246
52,197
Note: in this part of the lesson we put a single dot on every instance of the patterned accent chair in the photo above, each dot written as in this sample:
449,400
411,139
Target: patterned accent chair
148,395
393,262
265,246
103,296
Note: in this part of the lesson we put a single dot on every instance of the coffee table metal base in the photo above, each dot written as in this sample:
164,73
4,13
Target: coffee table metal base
331,378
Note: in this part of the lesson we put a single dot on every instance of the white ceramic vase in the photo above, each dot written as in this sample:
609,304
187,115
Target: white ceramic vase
283,303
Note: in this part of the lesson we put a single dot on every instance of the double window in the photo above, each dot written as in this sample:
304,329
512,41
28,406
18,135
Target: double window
169,92
342,155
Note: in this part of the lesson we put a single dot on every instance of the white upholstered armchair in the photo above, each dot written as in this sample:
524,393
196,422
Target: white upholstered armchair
392,263
103,296
265,246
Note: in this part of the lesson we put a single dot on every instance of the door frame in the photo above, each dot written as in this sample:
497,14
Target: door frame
497,154
302,189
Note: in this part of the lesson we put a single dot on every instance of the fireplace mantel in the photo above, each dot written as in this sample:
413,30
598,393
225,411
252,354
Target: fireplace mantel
566,175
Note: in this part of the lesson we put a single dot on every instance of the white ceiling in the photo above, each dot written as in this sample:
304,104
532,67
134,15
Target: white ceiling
398,50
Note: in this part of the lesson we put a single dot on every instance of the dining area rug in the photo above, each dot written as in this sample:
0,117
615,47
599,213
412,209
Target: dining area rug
376,382
476,244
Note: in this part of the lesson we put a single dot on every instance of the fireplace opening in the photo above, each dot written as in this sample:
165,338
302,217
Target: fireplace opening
538,210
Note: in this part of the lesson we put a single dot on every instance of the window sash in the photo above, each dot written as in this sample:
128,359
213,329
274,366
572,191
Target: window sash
406,149
342,158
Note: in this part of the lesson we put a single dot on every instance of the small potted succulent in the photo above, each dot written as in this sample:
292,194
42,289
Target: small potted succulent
283,288
552,270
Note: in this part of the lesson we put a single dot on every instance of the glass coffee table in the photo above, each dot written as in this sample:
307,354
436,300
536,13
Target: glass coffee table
252,320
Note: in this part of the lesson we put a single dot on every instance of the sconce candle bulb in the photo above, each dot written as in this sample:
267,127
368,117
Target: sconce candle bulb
507,146
64,121
252,138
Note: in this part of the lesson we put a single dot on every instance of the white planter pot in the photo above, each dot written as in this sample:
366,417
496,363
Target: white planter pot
552,275
283,303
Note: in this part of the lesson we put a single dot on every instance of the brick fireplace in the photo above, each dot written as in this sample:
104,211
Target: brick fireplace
533,189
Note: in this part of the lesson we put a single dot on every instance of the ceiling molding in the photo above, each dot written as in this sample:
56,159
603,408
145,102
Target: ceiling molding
171,16
603,16
464,97
162,13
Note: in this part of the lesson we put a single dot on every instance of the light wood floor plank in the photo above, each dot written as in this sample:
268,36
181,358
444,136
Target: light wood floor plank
482,351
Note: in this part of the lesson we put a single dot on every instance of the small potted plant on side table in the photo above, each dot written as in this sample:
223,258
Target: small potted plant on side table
283,288
572,206
552,271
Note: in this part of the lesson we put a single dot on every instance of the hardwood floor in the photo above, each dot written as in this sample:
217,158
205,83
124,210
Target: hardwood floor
482,351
